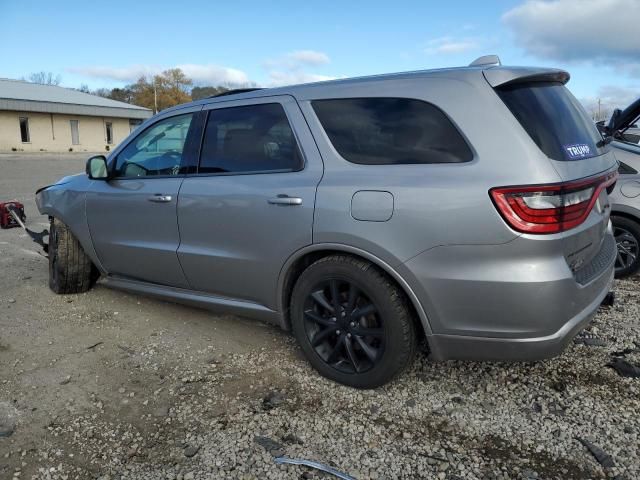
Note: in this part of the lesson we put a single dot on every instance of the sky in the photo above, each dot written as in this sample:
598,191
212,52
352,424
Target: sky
239,43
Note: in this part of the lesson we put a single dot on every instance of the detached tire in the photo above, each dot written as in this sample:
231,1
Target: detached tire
627,235
70,270
353,323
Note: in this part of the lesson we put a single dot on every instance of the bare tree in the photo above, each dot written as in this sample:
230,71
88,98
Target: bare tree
45,78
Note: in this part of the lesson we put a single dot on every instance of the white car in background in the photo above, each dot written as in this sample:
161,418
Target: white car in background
624,136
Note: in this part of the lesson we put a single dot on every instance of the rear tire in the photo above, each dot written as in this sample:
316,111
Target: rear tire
70,269
370,340
627,234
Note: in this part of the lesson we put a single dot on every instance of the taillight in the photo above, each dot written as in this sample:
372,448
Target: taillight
549,208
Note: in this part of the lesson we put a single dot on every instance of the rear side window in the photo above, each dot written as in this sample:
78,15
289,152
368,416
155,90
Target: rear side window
391,131
251,139
554,120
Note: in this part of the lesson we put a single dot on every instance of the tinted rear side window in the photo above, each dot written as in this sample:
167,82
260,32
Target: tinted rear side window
251,139
384,131
554,120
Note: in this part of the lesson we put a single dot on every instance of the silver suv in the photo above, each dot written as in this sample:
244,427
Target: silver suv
467,207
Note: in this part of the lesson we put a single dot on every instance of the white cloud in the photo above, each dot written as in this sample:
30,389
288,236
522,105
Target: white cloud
605,32
309,57
298,59
214,74
200,74
126,74
290,68
279,78
610,97
287,69
450,45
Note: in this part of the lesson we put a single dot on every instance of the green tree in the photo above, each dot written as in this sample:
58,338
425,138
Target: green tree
198,93
165,90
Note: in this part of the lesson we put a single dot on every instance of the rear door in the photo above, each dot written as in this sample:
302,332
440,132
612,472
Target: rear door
565,133
132,217
251,205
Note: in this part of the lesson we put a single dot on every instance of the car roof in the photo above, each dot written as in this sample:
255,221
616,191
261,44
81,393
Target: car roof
494,74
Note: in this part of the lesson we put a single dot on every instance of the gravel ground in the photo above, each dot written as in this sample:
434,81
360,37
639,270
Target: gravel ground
107,385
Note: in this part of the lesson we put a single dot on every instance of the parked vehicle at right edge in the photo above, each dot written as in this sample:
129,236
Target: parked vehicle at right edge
624,135
467,206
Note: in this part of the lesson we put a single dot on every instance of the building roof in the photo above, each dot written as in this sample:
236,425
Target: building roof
24,96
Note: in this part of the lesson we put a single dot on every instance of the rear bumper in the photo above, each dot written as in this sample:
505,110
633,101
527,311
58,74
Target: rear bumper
460,347
517,301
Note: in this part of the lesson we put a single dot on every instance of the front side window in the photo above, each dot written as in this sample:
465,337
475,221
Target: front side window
156,151
388,131
251,139
24,130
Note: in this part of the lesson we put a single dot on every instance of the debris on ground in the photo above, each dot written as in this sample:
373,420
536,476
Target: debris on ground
590,341
191,450
8,417
316,465
598,453
274,448
624,368
272,400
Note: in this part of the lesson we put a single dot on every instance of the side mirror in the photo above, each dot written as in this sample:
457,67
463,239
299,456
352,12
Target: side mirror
97,168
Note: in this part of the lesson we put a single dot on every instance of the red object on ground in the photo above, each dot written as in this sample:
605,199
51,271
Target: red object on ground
6,219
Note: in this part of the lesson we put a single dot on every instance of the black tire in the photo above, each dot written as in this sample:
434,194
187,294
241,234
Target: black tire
70,269
367,361
627,233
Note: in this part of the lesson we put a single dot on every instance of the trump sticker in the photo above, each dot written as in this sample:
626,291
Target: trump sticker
577,151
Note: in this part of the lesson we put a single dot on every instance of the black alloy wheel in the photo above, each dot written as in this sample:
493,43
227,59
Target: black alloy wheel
627,235
343,326
354,324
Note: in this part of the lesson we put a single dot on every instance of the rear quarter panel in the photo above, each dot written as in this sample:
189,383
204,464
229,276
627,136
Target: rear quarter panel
437,204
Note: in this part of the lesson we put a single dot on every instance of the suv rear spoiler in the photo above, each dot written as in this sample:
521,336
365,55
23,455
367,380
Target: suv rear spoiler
503,76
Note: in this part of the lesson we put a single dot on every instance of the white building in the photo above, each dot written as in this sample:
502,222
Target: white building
47,118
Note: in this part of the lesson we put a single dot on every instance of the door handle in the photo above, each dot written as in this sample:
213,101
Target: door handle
159,198
285,200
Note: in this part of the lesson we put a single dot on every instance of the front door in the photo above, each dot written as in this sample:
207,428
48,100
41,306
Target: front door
132,217
251,204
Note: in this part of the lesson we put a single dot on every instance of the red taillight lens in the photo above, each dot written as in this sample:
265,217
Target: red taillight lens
549,208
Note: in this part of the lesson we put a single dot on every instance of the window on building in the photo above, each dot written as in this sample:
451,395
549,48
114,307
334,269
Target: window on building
109,127
75,132
255,138
133,124
387,131
24,130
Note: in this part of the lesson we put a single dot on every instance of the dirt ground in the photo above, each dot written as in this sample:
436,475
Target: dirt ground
111,385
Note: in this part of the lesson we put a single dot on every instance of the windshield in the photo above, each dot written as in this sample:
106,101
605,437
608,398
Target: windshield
554,120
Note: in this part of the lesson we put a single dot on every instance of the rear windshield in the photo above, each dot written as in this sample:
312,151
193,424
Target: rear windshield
554,119
391,131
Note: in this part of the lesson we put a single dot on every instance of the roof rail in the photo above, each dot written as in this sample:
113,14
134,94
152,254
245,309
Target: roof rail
486,61
234,91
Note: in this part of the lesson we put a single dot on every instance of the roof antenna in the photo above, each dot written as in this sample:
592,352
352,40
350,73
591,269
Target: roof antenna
486,61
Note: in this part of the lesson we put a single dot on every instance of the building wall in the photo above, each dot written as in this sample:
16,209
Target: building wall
52,132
